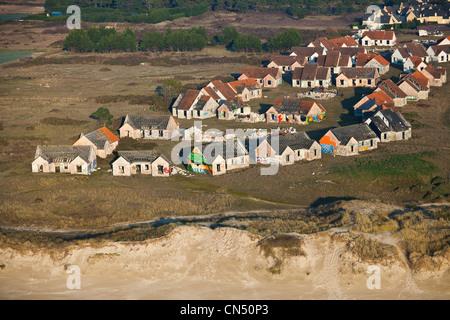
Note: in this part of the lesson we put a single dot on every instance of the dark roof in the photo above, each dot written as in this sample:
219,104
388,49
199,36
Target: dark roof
359,73
147,122
322,73
58,154
291,106
390,121
321,60
295,141
435,72
439,48
227,149
332,59
360,132
138,156
309,71
378,124
344,60
396,120
369,104
282,60
234,104
307,51
352,51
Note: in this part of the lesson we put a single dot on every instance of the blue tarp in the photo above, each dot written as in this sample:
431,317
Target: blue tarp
327,148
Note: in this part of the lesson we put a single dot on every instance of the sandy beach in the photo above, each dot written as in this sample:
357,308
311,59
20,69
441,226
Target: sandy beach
200,263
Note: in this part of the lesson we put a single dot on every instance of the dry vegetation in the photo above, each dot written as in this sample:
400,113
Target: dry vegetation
279,248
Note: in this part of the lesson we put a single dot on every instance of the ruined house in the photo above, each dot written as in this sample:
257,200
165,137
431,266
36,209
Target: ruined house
149,127
349,140
64,159
103,141
141,162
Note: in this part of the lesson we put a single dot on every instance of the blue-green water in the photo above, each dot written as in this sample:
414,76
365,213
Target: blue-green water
5,17
11,56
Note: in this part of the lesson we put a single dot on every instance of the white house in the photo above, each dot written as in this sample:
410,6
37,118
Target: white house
378,38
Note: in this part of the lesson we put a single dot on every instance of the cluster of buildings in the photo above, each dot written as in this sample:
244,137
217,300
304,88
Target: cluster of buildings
342,61
420,75
81,157
420,10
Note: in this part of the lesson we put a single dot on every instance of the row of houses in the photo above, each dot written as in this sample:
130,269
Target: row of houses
219,158
226,100
414,56
420,10
81,157
384,126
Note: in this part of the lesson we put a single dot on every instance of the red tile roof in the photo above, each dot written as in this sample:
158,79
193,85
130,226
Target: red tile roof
419,75
307,105
423,85
188,99
250,82
416,61
363,58
440,40
224,89
307,51
391,89
332,59
210,91
348,41
416,49
260,73
379,35
381,98
381,60
437,73
344,60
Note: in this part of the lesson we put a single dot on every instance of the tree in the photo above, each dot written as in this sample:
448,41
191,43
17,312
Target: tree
229,34
285,40
170,88
78,41
102,115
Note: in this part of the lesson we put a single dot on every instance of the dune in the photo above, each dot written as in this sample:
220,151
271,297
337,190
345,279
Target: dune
200,263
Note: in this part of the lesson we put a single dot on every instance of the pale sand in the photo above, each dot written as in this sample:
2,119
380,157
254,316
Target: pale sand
199,263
